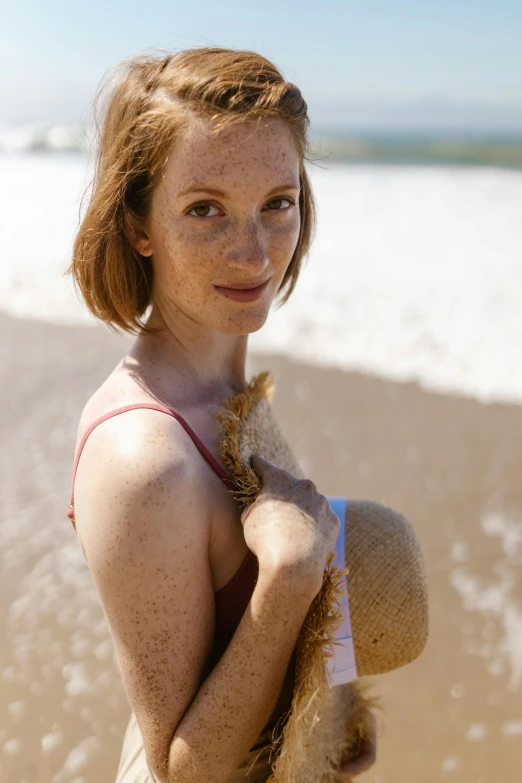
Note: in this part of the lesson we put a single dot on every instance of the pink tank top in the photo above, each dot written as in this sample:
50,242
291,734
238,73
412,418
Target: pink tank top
233,598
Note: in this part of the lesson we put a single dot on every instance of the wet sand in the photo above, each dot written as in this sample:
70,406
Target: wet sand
451,465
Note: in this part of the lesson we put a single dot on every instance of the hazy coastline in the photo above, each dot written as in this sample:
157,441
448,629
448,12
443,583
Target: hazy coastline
457,147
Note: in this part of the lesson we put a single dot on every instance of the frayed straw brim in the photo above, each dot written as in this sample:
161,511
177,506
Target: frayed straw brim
388,603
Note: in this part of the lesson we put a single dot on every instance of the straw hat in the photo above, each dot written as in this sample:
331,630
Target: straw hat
388,604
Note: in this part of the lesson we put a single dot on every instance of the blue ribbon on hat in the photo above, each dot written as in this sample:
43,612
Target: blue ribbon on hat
342,665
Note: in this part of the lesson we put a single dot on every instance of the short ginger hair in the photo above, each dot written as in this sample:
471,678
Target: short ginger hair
147,105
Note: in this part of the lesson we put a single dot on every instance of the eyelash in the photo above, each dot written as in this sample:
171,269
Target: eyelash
209,204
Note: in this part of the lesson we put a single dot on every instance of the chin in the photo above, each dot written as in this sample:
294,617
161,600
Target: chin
245,323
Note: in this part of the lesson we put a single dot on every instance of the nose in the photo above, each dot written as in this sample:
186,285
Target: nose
248,249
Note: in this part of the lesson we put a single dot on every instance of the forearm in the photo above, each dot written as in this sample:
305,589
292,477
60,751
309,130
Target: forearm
236,699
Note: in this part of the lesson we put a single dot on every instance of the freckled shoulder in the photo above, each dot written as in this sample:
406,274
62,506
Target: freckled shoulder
139,445
145,539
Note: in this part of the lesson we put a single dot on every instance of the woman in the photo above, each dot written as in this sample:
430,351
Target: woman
199,217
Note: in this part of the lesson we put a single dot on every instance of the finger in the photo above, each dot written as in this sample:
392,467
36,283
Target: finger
245,513
261,464
364,759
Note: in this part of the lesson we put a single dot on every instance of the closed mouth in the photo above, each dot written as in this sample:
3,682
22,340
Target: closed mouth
244,286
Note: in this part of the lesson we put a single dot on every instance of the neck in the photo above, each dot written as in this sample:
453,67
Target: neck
207,361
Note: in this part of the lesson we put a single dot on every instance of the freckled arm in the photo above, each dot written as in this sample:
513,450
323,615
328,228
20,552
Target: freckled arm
234,702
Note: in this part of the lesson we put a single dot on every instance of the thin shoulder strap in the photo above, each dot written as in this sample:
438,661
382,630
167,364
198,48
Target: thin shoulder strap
152,406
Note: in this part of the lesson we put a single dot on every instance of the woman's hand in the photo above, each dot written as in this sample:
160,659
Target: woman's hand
367,754
290,527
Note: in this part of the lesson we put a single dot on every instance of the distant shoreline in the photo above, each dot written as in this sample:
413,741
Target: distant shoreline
423,149
471,147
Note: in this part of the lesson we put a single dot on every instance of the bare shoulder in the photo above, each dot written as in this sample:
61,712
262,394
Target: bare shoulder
135,452
142,519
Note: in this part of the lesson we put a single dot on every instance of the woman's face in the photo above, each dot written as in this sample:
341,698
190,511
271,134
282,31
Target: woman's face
226,213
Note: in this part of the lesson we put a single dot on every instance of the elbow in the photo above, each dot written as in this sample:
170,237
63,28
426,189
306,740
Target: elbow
181,765
158,770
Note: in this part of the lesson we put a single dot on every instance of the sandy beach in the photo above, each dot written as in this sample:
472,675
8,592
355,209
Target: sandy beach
451,465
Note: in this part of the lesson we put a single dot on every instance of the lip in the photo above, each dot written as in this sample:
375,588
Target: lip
242,294
243,286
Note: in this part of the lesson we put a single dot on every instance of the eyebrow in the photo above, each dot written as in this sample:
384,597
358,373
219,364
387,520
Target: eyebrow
217,192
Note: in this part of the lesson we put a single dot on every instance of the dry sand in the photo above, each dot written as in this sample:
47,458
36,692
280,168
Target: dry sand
452,466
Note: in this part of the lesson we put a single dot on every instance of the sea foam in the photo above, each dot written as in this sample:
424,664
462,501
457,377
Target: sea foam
415,272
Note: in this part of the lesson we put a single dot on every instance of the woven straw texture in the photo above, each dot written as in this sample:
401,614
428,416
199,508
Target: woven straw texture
388,604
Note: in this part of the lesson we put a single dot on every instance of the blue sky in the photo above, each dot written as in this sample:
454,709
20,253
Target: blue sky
372,64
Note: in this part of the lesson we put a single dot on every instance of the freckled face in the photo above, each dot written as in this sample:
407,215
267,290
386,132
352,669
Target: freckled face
246,233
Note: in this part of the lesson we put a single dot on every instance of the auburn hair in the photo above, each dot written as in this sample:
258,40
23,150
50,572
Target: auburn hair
139,112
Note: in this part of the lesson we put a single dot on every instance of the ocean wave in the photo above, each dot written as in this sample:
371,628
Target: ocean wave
345,147
414,273
40,137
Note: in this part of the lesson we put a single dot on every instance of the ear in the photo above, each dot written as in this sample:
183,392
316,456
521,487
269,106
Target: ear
136,234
